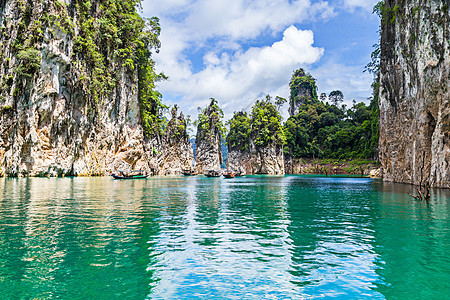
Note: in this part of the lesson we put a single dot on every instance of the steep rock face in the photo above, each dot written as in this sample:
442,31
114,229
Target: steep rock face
208,139
267,160
176,151
414,92
69,95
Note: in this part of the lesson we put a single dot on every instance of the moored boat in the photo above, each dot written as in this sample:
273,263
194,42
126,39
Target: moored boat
239,174
189,172
135,174
212,173
228,174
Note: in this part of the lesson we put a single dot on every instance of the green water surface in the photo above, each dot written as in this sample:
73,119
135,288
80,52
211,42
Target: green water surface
291,237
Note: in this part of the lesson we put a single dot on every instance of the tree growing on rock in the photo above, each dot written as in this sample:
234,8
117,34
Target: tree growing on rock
210,132
303,90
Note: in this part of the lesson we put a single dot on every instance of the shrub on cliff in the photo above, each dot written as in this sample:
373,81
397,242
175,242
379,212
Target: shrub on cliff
266,124
30,62
238,137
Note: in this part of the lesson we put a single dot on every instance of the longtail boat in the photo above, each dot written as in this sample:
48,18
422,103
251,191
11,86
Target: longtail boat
228,174
212,173
189,172
135,174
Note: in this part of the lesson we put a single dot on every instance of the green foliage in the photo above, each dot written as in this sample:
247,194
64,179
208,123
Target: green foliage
238,137
30,62
327,131
266,128
210,123
263,127
6,109
303,88
336,97
150,99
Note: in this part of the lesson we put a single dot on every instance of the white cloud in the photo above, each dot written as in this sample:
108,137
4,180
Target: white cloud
235,19
237,79
232,73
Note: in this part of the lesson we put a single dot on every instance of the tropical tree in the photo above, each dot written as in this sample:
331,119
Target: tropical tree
336,97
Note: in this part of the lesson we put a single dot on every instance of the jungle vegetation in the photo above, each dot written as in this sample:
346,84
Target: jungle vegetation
327,129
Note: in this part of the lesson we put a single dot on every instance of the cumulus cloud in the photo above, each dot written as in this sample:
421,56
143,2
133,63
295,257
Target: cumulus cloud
237,79
229,71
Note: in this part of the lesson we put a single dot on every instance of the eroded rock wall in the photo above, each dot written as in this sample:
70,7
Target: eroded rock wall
176,151
48,124
414,92
56,117
267,160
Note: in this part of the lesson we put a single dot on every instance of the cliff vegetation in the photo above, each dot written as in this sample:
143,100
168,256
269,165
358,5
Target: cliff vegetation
328,129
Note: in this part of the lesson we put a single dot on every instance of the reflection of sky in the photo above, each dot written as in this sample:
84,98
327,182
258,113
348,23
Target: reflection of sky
231,258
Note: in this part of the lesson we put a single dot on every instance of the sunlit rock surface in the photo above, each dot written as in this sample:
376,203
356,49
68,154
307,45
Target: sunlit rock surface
414,92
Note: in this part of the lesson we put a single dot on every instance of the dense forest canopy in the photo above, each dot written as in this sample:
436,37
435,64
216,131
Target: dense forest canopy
324,130
209,122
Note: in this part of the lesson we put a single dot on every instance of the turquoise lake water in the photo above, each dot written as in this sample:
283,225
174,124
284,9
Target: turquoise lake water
291,237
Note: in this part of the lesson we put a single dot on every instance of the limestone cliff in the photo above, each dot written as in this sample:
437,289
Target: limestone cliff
255,144
176,151
76,88
414,92
208,140
266,160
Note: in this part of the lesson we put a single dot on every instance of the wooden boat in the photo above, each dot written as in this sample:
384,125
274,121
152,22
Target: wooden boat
228,174
239,174
188,172
212,173
136,174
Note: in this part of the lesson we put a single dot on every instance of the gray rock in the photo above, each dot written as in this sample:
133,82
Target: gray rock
414,93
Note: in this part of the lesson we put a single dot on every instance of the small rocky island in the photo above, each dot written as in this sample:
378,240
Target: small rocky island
210,132
255,142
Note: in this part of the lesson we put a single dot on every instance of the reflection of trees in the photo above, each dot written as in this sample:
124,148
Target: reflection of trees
259,207
412,239
332,222
207,201
75,237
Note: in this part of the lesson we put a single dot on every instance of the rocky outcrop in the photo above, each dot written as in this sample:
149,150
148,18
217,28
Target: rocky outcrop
70,93
267,160
255,143
303,90
414,97
331,167
176,151
209,137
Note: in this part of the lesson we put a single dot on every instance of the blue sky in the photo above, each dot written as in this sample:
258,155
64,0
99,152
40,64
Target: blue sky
238,50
